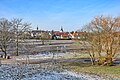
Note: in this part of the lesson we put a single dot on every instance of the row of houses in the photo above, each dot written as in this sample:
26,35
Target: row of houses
42,34
55,34
67,35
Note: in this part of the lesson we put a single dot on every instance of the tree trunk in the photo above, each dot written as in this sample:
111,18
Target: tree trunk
17,53
110,61
43,42
5,54
93,61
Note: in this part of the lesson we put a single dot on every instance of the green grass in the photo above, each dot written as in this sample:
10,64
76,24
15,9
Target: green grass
2,58
76,43
109,71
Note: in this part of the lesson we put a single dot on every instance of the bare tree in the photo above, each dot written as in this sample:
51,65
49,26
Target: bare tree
102,38
44,36
5,35
19,29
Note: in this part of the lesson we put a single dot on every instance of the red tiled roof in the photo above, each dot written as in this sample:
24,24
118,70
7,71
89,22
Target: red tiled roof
64,34
77,33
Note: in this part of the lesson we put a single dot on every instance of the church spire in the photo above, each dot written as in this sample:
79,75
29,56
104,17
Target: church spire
61,28
37,27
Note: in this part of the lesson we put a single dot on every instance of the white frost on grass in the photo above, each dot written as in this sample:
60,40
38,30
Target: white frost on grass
42,56
67,75
36,72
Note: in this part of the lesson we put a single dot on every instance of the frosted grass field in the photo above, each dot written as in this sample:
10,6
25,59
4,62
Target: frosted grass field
44,71
40,72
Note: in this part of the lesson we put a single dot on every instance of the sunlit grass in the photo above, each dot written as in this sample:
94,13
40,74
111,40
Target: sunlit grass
109,71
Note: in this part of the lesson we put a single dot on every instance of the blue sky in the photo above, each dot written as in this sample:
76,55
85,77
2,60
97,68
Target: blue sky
52,14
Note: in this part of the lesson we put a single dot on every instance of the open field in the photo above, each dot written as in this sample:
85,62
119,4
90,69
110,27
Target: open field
75,62
72,59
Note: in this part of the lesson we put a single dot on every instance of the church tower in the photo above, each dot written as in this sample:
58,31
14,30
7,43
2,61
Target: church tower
37,27
61,29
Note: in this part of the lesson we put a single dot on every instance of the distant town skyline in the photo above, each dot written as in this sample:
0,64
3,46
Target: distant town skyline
52,14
